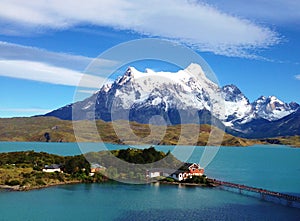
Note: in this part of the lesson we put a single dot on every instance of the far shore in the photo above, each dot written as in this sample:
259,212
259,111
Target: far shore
172,144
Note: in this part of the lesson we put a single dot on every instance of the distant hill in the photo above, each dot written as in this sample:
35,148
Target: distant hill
35,128
286,126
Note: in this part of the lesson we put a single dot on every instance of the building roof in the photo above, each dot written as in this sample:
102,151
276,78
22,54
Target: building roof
53,166
186,166
96,165
178,172
164,170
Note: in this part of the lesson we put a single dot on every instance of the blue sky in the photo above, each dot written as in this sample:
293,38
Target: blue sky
46,45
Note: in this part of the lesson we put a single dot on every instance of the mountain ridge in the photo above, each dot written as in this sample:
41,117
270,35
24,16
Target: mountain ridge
182,97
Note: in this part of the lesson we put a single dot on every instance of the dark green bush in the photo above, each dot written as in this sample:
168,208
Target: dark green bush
40,182
12,182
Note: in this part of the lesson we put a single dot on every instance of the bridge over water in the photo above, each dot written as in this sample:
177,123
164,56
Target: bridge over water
267,195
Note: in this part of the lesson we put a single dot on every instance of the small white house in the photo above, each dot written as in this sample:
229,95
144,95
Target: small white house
158,172
153,173
52,168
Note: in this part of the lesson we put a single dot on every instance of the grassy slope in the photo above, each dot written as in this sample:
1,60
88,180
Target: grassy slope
293,141
34,128
286,140
23,170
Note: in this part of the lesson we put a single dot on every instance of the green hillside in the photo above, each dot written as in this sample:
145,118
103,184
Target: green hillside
24,170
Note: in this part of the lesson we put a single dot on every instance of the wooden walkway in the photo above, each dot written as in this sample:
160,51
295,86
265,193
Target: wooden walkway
262,192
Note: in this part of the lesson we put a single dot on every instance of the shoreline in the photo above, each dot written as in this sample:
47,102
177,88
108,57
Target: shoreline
25,189
210,185
19,188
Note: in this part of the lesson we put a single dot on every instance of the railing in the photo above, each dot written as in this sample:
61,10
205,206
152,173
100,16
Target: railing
263,192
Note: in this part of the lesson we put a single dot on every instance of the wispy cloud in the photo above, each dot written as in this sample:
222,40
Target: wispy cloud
31,63
280,12
12,51
297,77
194,23
38,71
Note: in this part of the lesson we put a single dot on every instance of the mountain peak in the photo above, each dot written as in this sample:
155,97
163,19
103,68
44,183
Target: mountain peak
233,93
129,74
130,71
269,100
271,108
195,69
232,89
191,71
261,98
140,95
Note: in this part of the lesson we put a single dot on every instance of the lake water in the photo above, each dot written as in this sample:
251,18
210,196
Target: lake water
271,167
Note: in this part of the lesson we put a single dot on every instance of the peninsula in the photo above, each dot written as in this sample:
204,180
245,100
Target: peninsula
29,170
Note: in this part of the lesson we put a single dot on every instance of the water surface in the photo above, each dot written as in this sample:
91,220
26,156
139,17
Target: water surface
272,167
137,202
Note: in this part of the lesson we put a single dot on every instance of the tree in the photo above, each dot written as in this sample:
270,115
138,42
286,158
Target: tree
77,164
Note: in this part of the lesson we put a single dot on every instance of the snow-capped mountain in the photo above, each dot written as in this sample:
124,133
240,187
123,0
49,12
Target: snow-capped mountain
139,96
237,106
240,111
271,108
186,96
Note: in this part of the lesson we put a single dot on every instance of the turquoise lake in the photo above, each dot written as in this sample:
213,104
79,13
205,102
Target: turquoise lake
271,167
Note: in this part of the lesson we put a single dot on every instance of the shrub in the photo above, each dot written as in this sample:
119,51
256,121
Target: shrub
12,183
40,182
169,179
38,168
25,181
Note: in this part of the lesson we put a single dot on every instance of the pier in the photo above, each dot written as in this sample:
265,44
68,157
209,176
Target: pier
266,195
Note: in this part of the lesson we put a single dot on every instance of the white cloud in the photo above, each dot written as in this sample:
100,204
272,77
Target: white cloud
36,64
297,77
195,24
38,71
12,51
281,12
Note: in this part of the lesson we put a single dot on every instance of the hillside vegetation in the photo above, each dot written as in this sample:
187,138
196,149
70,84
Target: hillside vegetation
24,170
55,130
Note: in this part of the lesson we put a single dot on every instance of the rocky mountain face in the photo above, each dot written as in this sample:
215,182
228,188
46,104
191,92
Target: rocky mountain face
262,128
186,96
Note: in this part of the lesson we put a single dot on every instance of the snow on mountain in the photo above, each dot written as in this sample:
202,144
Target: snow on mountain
190,89
139,95
237,106
271,108
177,90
